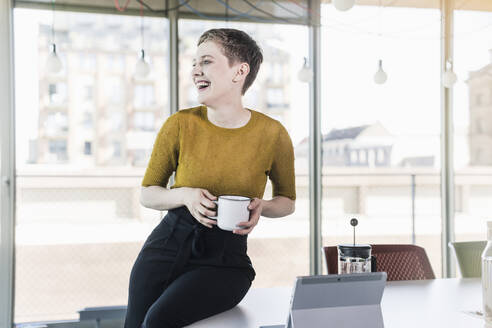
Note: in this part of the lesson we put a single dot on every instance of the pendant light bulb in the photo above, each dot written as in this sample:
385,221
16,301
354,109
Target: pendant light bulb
305,74
142,68
53,64
343,5
449,78
380,77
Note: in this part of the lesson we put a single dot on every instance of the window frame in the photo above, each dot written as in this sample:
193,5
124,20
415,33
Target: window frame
7,125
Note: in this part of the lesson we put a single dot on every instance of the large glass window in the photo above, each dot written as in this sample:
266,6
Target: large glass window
472,122
84,136
144,121
279,248
115,90
381,142
81,158
144,95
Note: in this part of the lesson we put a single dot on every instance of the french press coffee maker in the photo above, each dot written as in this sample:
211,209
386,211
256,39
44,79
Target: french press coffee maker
355,258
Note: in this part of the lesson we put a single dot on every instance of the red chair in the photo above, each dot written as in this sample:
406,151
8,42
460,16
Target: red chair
400,262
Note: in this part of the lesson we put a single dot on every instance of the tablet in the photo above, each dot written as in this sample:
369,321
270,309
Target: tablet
341,301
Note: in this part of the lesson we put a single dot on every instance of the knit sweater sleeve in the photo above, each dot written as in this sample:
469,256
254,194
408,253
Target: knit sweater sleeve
164,158
282,172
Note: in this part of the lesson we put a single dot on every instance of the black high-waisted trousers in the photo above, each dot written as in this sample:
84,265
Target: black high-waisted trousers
186,272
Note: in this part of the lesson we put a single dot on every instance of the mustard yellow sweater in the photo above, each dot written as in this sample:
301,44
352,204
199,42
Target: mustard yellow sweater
223,161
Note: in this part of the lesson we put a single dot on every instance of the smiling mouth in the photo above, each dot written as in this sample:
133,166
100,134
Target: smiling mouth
202,86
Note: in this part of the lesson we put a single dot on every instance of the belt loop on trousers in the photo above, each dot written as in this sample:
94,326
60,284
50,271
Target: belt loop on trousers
198,244
195,246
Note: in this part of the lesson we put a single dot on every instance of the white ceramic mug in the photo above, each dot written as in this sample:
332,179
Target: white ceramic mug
230,211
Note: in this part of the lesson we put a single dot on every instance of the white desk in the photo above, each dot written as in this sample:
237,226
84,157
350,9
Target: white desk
415,304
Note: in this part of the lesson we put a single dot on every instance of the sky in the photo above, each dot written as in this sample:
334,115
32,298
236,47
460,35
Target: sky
406,40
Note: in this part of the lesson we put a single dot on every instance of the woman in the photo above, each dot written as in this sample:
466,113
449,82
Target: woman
188,268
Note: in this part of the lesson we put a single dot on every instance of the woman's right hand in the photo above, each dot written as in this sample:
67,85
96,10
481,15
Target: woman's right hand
200,202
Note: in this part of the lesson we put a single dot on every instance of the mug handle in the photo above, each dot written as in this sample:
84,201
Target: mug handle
374,264
216,210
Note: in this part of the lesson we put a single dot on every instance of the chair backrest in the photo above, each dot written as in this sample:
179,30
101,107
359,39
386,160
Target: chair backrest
468,255
400,262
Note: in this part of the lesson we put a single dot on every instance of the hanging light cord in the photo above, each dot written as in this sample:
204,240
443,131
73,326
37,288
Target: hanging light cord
53,21
142,27
117,5
380,33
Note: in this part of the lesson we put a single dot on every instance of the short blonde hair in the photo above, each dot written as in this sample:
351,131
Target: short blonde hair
237,46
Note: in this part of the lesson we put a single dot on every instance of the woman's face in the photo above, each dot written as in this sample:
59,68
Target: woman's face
212,75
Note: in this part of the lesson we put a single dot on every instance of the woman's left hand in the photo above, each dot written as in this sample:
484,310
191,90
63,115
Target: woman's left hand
255,207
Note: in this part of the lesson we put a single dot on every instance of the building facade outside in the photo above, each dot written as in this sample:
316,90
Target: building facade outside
480,104
95,112
360,146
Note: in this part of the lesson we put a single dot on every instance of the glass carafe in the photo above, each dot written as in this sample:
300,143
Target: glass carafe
354,258
487,276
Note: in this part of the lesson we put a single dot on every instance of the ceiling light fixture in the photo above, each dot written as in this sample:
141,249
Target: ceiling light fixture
306,73
343,5
142,68
380,77
449,77
53,64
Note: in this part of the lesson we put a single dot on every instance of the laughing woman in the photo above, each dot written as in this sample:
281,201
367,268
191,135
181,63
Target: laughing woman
188,268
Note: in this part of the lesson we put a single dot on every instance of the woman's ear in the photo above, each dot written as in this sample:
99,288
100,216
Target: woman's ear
241,73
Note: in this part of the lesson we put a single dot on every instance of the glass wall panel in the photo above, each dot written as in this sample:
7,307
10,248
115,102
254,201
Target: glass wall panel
278,248
472,123
84,136
381,142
